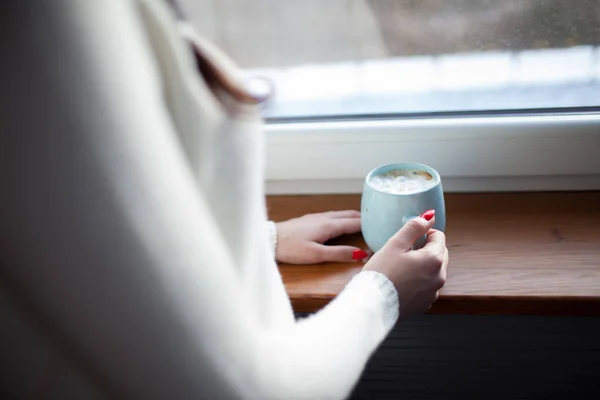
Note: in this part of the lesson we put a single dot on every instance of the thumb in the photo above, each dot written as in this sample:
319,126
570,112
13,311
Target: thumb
414,229
338,253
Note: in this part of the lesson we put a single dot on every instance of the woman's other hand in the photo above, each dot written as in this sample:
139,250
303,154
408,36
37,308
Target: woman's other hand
418,275
300,240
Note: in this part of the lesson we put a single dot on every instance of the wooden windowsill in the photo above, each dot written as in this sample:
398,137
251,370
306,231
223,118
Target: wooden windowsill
510,253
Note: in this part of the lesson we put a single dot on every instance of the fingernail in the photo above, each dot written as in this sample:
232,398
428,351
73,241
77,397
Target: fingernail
359,254
428,215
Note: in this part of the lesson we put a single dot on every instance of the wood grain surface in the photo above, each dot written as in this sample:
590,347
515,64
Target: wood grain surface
510,253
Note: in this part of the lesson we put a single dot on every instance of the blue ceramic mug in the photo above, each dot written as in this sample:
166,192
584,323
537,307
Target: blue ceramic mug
383,213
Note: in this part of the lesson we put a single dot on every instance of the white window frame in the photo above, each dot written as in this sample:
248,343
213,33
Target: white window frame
550,152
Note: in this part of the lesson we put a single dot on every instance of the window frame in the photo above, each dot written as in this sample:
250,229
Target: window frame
551,151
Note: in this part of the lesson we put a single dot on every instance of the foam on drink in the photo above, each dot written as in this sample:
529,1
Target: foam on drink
403,181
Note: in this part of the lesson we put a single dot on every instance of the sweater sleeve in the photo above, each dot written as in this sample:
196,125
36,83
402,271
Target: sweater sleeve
109,241
323,356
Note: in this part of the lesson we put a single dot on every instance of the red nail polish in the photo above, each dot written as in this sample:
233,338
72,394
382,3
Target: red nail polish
428,215
359,254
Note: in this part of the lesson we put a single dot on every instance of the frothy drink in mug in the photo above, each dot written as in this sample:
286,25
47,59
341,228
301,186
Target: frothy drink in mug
393,194
403,181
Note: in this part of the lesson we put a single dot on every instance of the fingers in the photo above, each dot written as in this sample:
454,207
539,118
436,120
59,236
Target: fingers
344,214
444,269
442,275
436,242
411,231
440,268
337,253
436,252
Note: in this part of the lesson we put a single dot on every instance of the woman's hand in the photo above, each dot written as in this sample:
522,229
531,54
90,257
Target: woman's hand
418,275
300,240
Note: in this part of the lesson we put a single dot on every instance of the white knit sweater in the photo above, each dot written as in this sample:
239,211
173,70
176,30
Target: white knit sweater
135,262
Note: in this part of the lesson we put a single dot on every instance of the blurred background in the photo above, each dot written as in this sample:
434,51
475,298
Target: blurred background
288,40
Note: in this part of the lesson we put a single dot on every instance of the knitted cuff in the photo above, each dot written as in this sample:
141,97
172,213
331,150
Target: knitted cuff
380,286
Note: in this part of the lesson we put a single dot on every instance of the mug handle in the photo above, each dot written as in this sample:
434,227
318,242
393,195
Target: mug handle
420,242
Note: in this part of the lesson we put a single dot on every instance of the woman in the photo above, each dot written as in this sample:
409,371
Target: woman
133,220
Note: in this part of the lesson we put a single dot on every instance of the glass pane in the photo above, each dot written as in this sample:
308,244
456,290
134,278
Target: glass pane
363,57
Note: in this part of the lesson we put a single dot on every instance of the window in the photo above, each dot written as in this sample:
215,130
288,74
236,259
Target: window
496,95
365,57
